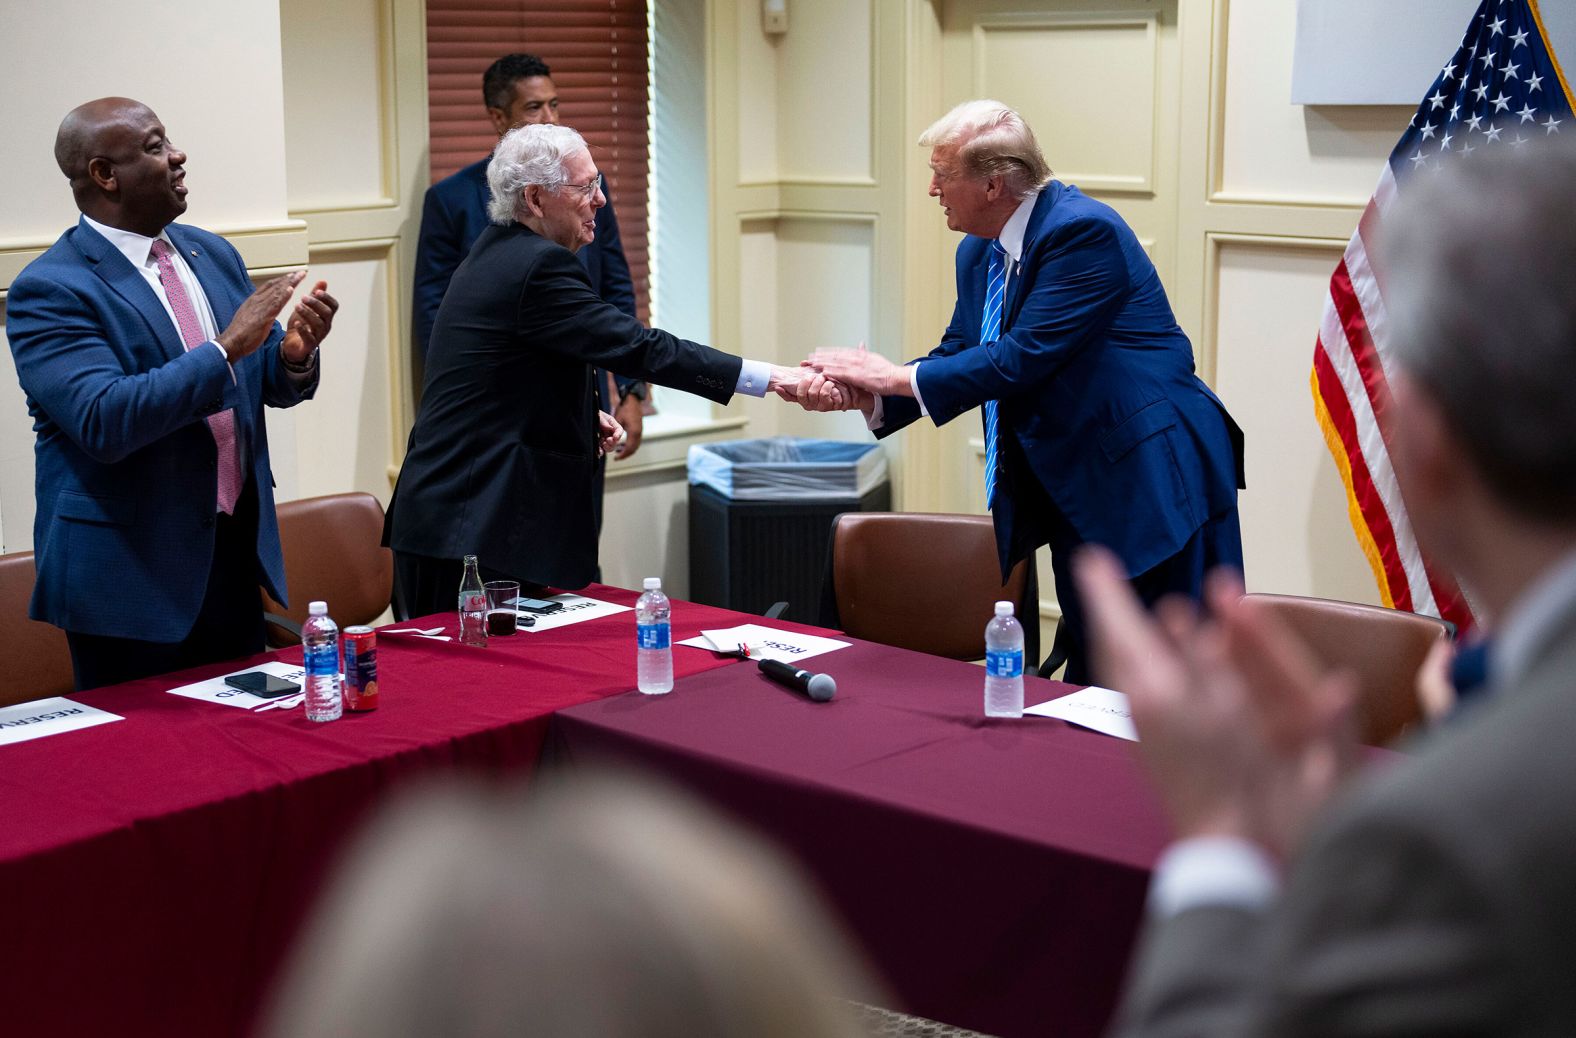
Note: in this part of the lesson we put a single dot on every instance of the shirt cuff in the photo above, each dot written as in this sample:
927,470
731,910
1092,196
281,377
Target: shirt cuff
754,377
230,367
299,374
913,380
1212,870
877,416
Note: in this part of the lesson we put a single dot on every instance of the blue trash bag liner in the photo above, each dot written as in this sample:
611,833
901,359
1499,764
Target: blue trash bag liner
788,468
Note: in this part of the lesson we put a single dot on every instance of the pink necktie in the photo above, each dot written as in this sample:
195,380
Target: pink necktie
222,425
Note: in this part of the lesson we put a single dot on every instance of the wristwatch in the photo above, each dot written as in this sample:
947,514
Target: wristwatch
638,390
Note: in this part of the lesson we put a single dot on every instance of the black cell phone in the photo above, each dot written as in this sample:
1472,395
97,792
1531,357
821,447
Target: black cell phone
536,605
262,683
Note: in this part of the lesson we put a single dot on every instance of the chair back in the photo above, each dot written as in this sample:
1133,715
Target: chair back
926,582
35,661
1384,648
333,553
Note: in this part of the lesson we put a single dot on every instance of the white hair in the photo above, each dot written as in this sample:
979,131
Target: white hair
992,140
525,156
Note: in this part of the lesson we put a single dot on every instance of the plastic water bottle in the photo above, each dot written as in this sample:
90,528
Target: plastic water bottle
654,649
1003,664
473,606
320,647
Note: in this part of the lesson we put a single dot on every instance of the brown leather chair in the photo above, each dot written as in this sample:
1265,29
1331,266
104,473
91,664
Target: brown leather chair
1384,648
926,582
333,553
35,661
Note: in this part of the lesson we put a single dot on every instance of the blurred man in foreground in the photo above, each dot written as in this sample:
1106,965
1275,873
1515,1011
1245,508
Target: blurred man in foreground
1434,898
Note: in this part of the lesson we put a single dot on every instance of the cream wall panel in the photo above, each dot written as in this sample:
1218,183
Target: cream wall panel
1296,535
645,532
826,296
16,458
750,75
1272,149
333,68
824,93
223,108
339,440
1040,65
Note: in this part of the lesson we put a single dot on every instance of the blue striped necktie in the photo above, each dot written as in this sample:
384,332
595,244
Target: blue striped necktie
990,331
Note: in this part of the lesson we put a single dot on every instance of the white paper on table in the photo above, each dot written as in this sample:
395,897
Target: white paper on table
766,643
214,690
1102,709
577,608
51,716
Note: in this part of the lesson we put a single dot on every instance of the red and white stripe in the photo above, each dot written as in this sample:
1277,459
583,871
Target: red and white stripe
1351,377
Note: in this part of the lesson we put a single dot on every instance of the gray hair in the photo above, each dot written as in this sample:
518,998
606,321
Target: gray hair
525,156
992,140
602,906
1480,293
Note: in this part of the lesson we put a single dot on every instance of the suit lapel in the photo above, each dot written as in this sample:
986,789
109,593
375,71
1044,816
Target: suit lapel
127,282
1038,218
221,299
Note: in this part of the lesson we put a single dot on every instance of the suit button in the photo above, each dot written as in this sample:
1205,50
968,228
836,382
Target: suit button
207,523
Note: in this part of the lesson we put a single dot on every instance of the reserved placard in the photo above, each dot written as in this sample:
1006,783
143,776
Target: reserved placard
577,609
765,643
214,690
1101,709
50,716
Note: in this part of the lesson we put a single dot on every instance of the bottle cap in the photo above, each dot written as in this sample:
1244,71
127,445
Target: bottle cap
653,584
317,609
1003,608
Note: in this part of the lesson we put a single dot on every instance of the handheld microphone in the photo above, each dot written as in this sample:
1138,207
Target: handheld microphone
818,687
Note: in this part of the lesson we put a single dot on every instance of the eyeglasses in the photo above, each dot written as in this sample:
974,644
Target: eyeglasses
588,189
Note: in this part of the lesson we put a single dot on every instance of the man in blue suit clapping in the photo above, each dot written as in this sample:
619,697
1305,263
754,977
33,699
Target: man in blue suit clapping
147,357
1096,427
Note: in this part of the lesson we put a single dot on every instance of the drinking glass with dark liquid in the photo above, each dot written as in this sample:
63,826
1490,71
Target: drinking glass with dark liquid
501,616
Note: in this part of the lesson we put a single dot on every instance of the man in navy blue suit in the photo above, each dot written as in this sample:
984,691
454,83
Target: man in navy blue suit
518,90
147,357
1097,429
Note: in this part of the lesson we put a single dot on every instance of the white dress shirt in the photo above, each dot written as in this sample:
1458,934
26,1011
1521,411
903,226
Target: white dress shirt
138,250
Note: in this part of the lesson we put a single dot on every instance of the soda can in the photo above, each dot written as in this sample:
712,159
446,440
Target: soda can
361,668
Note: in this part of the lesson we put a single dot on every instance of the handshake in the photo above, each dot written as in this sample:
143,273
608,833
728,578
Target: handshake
840,380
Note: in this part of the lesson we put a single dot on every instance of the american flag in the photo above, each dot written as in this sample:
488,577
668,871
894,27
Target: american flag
1502,88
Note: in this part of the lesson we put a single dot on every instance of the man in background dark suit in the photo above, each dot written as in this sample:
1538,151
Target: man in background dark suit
501,462
155,521
1435,896
1097,429
518,90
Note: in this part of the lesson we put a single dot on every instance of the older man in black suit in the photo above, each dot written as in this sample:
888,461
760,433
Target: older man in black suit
1434,898
502,460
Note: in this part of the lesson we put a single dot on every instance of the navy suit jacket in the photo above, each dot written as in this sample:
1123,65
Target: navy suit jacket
1094,380
126,470
453,216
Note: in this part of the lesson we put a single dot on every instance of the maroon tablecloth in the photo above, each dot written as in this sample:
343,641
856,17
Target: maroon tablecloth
155,868
994,870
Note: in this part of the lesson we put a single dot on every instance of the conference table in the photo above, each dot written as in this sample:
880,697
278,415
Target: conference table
156,869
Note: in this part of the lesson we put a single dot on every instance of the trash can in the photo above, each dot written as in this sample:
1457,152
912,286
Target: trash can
760,517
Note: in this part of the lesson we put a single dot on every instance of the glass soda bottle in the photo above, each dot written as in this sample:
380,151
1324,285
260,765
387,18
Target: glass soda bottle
473,606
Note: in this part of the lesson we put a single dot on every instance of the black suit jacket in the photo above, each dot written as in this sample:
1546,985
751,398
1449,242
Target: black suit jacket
502,459
453,216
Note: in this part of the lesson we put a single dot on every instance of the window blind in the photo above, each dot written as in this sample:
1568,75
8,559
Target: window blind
597,52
